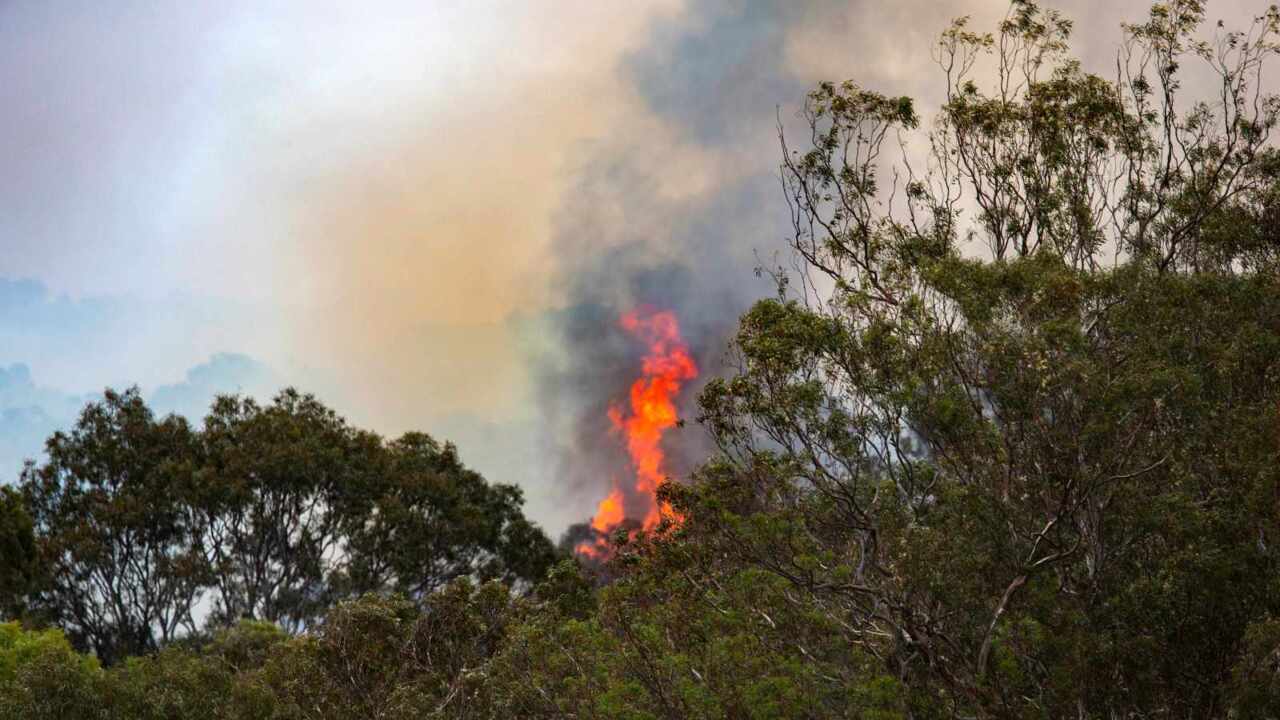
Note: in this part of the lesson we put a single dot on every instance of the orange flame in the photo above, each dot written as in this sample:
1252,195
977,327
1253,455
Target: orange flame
610,512
666,366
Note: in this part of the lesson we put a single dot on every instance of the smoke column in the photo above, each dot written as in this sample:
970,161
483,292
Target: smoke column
674,218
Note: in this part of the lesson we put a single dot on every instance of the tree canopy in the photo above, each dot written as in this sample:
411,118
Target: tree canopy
268,512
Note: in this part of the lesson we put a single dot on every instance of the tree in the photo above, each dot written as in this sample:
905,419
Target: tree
270,499
172,683
387,657
220,679
1019,465
276,511
431,520
42,678
18,565
682,634
300,510
114,541
1040,479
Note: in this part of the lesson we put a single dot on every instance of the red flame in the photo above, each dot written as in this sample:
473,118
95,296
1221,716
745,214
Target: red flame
651,412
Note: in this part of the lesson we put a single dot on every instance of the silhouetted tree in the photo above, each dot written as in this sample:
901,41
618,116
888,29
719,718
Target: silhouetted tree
269,502
423,519
118,553
274,511
19,565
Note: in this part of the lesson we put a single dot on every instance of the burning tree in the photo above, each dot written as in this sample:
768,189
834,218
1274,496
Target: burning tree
649,412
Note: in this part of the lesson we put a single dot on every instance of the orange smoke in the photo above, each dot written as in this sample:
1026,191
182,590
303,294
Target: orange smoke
650,413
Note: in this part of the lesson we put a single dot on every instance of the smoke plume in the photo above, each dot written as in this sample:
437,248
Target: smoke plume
675,216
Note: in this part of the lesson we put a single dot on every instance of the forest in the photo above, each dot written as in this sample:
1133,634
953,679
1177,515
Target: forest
1004,444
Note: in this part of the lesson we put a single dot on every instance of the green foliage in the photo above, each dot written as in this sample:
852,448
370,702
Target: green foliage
386,657
272,512
1040,482
221,680
406,548
173,683
19,567
42,678
114,538
269,502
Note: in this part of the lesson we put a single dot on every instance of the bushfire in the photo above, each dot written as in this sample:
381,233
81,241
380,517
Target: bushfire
648,413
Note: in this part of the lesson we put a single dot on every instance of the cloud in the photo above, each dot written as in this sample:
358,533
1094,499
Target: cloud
29,414
223,374
95,340
78,346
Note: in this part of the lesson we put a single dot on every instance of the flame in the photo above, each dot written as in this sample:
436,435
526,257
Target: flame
651,412
610,512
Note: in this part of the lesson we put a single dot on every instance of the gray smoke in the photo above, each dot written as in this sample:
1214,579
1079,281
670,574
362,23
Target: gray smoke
715,76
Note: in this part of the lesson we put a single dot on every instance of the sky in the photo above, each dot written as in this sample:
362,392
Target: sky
427,213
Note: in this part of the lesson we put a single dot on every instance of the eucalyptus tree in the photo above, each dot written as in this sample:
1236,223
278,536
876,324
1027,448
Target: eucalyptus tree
299,510
138,531
19,567
119,557
269,494
1012,426
425,519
